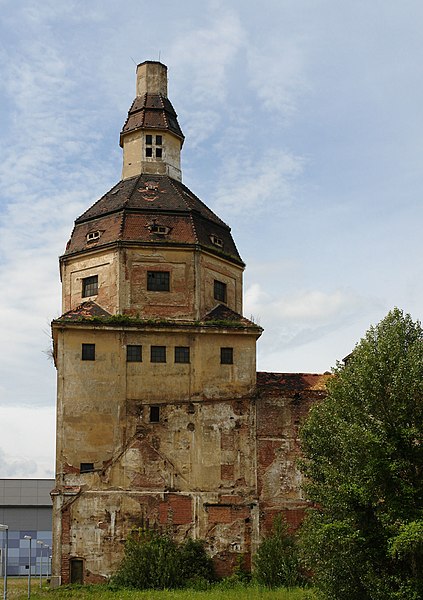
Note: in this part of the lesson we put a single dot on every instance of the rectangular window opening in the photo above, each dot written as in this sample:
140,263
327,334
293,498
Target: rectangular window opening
149,152
154,414
86,467
158,140
158,354
226,356
219,291
90,286
158,152
133,353
88,352
181,354
148,139
158,281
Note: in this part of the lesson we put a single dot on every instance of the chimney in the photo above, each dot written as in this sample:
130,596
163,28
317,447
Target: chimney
151,78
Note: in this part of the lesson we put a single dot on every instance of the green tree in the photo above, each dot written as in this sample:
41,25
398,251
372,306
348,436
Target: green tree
363,460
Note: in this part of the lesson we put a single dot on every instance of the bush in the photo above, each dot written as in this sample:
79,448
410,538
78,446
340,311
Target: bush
276,563
153,560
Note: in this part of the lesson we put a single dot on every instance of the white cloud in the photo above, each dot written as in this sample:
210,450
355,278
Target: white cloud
266,184
277,70
27,441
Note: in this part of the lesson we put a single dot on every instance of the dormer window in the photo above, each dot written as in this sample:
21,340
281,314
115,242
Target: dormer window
93,236
158,229
217,241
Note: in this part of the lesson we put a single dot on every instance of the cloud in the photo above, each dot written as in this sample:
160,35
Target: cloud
207,53
304,316
267,183
27,441
277,73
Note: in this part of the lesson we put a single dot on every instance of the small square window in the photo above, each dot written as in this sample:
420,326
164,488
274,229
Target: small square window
158,354
154,414
149,152
159,152
158,281
181,354
219,291
159,140
90,286
226,356
88,352
148,139
86,467
133,353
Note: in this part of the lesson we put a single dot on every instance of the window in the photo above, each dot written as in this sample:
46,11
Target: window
158,354
86,467
88,352
148,139
158,281
158,140
93,236
149,152
133,353
181,354
217,241
226,356
158,152
219,291
154,414
90,286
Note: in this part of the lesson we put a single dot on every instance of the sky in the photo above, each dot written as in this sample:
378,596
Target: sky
304,132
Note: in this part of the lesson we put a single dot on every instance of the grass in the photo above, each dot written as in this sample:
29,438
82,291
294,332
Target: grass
17,590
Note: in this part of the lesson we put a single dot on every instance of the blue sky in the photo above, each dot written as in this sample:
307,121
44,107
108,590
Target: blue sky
304,132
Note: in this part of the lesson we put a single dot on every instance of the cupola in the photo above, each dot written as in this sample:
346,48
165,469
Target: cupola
151,137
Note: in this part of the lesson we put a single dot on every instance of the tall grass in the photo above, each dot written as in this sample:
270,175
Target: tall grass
17,590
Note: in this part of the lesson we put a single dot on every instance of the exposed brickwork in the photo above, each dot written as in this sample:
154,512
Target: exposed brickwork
227,472
176,510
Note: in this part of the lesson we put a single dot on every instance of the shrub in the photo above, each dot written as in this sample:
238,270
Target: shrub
153,560
276,563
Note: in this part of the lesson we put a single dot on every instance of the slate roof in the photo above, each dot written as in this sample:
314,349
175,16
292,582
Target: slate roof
127,212
151,111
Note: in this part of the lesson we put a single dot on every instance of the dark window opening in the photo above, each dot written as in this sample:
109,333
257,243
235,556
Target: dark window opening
90,286
133,353
86,467
158,281
149,152
158,354
217,241
226,356
181,354
88,352
159,140
148,139
154,414
219,291
159,152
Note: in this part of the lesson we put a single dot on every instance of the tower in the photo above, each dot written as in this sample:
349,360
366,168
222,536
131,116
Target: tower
156,366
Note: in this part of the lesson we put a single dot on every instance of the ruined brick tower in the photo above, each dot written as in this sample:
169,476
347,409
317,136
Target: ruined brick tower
159,414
